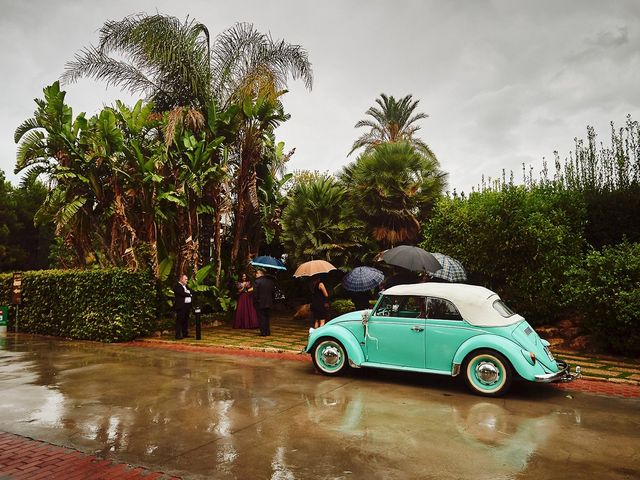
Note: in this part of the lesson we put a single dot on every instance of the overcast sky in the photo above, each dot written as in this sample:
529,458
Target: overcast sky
503,82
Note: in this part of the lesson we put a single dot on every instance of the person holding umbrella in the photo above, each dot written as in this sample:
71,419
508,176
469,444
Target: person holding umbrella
263,289
319,302
359,282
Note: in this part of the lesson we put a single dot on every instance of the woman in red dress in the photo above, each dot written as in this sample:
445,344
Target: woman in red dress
245,316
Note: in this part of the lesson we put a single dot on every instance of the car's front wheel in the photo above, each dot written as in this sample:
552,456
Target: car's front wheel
487,373
330,357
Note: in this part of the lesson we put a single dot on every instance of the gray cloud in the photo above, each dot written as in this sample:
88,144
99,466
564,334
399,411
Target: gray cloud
504,82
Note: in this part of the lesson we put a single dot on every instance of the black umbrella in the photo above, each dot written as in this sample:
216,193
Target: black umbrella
412,258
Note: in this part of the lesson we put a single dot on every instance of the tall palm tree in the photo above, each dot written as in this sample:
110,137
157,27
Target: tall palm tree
393,187
162,58
174,65
258,120
392,121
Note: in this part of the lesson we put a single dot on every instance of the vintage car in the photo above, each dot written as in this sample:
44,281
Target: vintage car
441,328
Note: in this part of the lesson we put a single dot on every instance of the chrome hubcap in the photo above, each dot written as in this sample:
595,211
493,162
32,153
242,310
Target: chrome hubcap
487,373
330,356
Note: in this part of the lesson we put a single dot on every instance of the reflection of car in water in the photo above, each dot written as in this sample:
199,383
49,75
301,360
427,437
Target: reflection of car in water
446,329
452,437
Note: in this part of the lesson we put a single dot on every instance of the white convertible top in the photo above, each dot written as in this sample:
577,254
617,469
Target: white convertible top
474,303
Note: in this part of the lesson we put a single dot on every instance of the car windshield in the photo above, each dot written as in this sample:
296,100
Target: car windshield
401,306
502,309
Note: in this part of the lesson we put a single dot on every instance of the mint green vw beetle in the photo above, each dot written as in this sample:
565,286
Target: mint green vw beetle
441,328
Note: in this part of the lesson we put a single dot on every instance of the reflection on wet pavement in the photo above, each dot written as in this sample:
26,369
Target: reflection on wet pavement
228,416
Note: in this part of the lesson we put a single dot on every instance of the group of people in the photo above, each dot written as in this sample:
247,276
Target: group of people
254,304
255,301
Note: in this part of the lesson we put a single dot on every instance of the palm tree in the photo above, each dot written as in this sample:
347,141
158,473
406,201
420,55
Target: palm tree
174,65
393,121
258,120
165,60
393,187
318,222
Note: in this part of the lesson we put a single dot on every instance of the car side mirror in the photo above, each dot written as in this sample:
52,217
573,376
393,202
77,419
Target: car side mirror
365,316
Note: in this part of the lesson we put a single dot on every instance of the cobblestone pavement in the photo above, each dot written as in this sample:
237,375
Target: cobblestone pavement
24,458
605,375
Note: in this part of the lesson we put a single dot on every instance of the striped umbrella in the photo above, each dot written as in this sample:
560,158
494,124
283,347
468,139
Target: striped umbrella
361,279
451,271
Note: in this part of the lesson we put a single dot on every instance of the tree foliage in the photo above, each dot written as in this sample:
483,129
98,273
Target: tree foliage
240,76
517,242
318,223
393,188
605,289
392,121
23,245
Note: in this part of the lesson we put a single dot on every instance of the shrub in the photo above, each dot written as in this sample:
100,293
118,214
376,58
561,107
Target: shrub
605,289
516,242
112,305
342,306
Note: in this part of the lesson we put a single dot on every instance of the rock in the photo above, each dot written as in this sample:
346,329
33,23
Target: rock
571,333
585,343
566,323
548,332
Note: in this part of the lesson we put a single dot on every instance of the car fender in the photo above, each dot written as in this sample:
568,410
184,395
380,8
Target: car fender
344,336
511,351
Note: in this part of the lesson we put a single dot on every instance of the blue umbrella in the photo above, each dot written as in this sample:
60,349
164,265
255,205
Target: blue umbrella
451,271
361,279
267,261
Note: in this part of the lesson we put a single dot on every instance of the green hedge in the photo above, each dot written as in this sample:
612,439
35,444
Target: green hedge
605,289
111,305
516,242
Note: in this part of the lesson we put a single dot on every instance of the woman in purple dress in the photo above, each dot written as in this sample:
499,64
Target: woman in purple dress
245,316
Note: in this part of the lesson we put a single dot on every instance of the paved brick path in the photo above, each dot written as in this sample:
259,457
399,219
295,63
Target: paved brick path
24,458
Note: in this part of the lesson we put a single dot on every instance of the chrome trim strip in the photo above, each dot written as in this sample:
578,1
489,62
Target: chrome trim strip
404,369
455,370
352,364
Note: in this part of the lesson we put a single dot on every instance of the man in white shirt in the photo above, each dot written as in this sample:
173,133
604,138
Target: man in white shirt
182,304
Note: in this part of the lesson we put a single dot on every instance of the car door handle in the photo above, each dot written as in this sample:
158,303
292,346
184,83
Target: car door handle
416,328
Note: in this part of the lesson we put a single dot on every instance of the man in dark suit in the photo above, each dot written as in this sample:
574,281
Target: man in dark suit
263,289
182,304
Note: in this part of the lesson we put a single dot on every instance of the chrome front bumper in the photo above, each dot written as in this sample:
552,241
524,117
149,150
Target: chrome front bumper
563,375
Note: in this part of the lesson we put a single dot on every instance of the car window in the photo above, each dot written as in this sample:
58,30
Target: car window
441,309
401,306
502,308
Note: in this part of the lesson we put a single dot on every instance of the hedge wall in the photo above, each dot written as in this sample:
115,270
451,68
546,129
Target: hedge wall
515,242
111,305
605,289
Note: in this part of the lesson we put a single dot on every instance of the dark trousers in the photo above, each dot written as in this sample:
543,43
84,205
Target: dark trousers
182,322
263,321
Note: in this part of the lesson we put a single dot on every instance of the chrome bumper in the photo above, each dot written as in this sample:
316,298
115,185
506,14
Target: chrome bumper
564,375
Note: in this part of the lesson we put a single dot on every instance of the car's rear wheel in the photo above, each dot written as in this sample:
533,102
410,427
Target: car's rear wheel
330,357
487,373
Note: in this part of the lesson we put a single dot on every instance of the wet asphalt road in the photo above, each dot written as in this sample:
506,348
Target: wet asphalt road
233,417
